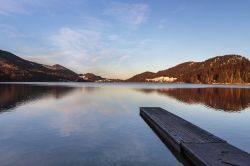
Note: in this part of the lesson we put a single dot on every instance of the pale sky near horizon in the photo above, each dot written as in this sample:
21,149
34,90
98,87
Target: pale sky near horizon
120,38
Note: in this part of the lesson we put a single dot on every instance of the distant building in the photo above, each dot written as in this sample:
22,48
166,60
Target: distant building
162,79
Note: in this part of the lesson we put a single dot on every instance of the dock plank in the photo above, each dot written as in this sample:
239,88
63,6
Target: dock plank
195,144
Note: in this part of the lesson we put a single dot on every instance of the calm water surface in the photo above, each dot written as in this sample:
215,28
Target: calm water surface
99,124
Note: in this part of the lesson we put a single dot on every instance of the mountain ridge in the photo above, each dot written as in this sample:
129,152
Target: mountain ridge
14,68
229,68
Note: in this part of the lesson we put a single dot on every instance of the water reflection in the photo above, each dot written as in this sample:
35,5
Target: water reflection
12,95
99,124
226,99
86,125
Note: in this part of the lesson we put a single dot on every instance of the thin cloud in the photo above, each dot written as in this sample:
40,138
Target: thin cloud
75,46
124,57
11,7
10,31
161,24
83,48
87,50
132,14
14,6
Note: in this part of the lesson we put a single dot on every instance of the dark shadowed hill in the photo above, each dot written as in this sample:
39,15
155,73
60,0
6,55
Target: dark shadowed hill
220,69
14,68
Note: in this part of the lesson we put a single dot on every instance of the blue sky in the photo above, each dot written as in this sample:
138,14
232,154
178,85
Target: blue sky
120,38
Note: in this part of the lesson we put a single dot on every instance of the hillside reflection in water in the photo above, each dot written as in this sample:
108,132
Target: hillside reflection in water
99,124
224,99
14,95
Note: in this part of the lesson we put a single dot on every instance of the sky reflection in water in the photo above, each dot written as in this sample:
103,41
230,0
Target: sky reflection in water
98,124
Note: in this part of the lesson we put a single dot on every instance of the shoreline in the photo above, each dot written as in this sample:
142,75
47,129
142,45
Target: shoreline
143,84
124,82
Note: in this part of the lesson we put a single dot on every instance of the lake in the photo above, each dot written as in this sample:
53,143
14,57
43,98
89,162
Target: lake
99,124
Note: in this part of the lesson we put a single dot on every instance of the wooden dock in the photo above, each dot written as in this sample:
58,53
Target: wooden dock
195,145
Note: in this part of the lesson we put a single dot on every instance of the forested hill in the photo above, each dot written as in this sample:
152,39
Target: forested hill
220,69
